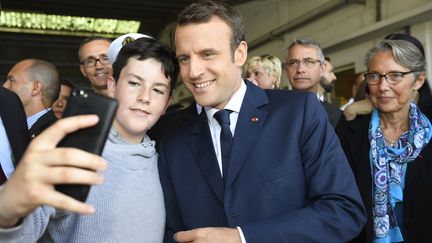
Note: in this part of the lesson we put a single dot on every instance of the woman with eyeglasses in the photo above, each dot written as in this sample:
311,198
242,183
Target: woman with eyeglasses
389,150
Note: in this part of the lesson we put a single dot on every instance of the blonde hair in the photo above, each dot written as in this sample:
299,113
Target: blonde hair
270,63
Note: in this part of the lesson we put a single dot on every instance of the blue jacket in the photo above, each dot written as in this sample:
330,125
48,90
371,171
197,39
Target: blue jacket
288,179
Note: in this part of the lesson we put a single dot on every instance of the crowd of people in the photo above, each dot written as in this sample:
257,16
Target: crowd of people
245,162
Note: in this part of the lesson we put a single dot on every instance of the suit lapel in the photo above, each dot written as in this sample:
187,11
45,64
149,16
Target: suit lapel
202,146
43,122
249,124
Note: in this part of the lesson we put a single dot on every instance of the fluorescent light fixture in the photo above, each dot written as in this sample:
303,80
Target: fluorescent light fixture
37,23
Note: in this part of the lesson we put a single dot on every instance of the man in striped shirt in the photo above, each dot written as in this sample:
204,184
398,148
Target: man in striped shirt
36,82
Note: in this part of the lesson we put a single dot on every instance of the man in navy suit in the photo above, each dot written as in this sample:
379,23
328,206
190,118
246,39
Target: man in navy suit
286,179
37,84
305,67
14,136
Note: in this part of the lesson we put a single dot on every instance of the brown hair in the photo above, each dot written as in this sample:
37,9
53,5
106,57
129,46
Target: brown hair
203,11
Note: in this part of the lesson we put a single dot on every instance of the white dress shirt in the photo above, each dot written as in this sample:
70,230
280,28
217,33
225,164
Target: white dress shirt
215,129
31,120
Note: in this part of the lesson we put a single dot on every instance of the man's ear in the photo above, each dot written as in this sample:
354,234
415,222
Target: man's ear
111,86
83,72
323,68
37,88
240,54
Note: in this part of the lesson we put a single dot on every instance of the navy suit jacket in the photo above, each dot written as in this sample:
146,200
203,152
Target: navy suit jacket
169,123
42,123
333,112
15,123
288,179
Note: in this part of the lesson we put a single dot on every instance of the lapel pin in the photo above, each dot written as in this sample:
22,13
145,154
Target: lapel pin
254,119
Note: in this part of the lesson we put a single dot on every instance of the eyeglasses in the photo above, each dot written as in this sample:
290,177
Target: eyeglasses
91,61
390,77
307,62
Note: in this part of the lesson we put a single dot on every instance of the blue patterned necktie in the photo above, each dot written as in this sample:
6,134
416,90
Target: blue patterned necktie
226,138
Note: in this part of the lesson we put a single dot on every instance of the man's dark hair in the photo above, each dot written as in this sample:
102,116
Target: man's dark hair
202,11
90,39
145,48
66,82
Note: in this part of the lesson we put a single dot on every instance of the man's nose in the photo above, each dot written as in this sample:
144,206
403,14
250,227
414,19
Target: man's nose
196,68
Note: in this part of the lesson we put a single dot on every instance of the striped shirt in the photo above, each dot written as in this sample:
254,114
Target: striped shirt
31,120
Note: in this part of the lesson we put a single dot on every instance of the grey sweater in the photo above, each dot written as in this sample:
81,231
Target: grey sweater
129,205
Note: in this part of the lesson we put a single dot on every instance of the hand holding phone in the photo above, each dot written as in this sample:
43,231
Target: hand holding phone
91,139
37,170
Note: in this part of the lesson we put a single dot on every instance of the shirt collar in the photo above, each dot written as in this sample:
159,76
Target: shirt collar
31,120
234,104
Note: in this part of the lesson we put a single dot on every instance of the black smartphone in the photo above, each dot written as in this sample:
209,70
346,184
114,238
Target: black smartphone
91,139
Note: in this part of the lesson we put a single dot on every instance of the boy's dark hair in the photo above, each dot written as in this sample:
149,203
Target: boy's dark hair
202,11
145,48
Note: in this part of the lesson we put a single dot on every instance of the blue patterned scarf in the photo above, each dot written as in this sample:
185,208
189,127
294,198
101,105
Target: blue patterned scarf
388,165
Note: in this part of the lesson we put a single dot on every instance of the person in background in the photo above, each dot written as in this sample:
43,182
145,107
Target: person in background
361,103
424,101
283,172
327,81
265,71
357,91
60,103
94,62
36,82
129,204
389,150
14,136
422,97
304,70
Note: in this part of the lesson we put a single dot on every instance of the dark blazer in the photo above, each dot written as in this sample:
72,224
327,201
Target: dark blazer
42,123
15,123
288,179
169,123
417,211
333,112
